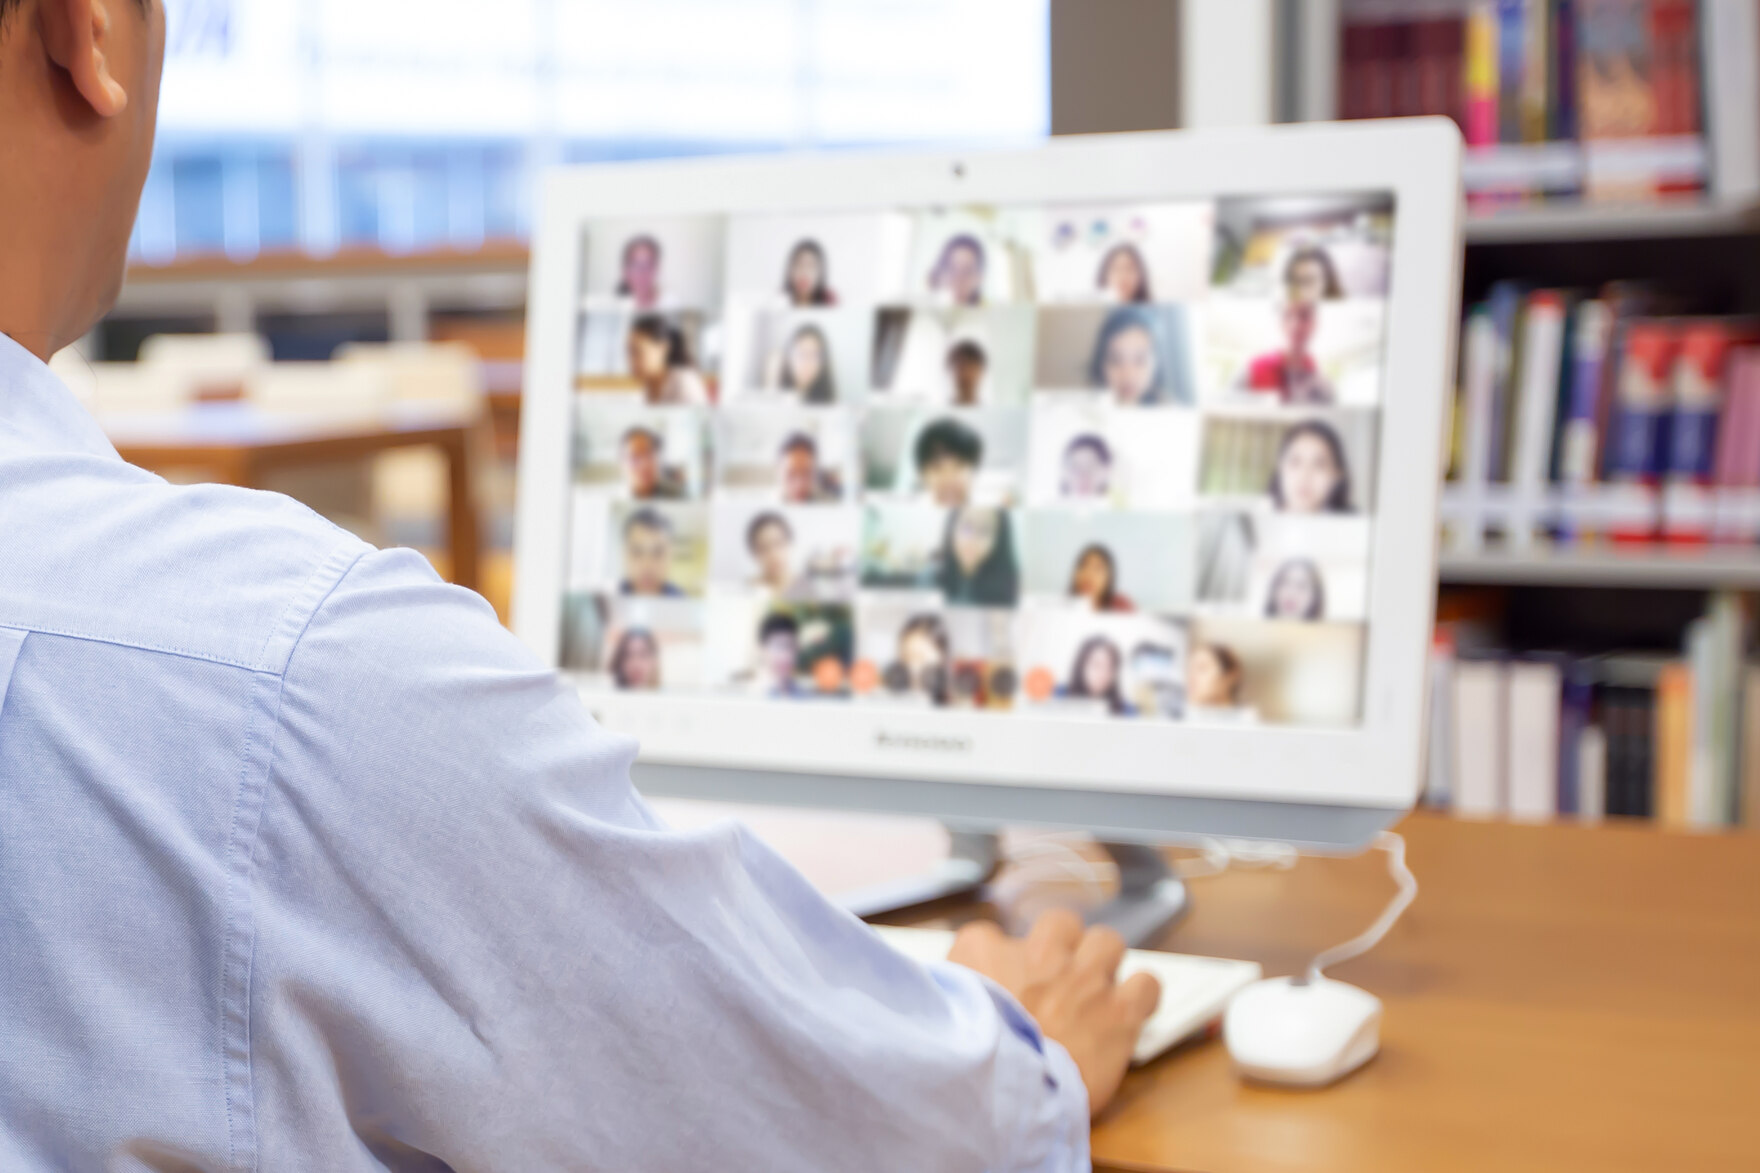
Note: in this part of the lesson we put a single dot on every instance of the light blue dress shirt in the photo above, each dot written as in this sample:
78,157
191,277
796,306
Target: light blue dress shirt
306,864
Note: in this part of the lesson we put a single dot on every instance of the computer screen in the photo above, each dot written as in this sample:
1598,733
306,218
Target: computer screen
1099,462
1068,484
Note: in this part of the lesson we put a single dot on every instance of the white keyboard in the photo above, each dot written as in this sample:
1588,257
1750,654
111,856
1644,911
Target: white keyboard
1194,990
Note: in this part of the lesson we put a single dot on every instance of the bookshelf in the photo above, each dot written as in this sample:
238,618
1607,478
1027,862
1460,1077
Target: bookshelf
1612,567
1561,223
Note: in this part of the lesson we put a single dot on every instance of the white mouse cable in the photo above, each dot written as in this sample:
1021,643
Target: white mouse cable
1371,936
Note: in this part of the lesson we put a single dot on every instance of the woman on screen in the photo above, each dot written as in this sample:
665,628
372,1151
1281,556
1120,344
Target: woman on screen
1213,677
770,542
959,270
806,366
1087,468
1297,592
1311,474
804,278
1310,277
635,662
1124,275
1098,674
1095,579
660,360
924,652
1130,359
639,272
978,567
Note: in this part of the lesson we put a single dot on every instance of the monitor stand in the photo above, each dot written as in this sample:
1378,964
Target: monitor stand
1150,900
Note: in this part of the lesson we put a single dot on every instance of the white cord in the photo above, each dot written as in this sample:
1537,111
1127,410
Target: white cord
1371,936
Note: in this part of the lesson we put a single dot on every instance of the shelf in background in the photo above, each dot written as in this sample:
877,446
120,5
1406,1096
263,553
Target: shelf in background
1542,224
1705,568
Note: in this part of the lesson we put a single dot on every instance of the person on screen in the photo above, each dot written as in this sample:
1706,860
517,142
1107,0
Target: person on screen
1213,677
959,270
1098,674
639,274
647,555
1296,592
1291,373
799,478
770,542
645,475
924,652
948,454
978,567
806,366
1124,275
1310,277
660,360
1130,358
1095,580
1311,474
967,364
1087,468
779,652
635,662
804,279
1158,687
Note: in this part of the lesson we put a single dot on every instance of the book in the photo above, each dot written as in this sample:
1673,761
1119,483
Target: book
1575,716
1477,736
1480,74
1591,774
1542,358
1729,33
1512,64
1674,743
1580,434
1439,751
1531,739
1748,806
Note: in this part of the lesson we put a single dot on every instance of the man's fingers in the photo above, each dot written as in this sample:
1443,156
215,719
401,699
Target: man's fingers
1056,933
1100,952
1140,994
976,941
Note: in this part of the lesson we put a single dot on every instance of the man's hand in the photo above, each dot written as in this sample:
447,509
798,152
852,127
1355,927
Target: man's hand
1066,978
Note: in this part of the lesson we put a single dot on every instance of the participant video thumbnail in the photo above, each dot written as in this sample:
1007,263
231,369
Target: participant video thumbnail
1124,253
631,451
1303,568
1227,540
649,264
794,554
968,257
635,644
1110,562
638,548
1079,663
1304,249
963,357
1093,454
969,555
778,650
807,261
815,357
658,355
1137,355
1306,462
946,458
791,456
1279,673
911,649
1294,352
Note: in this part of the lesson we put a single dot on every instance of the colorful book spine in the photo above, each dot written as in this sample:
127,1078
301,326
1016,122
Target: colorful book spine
1579,449
1639,444
1481,81
1699,390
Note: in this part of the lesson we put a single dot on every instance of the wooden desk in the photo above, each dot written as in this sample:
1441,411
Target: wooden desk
1559,998
236,444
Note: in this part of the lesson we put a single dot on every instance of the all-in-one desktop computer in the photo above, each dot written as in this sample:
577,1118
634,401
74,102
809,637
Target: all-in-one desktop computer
1088,486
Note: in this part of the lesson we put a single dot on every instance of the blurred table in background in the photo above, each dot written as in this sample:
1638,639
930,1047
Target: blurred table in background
1560,997
236,443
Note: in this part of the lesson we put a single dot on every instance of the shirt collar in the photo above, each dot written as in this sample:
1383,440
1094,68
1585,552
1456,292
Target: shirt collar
37,409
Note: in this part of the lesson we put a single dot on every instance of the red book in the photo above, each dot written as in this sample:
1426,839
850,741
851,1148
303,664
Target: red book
1353,75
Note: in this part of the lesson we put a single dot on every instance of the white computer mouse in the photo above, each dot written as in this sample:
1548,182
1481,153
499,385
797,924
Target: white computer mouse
1301,1033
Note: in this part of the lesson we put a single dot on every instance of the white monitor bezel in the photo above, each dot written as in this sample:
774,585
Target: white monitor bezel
1376,764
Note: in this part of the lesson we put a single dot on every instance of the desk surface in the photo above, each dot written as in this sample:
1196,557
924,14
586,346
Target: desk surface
1558,998
224,425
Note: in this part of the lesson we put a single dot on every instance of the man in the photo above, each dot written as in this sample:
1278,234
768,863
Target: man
779,654
799,479
1087,467
947,457
647,555
306,864
770,542
645,476
966,366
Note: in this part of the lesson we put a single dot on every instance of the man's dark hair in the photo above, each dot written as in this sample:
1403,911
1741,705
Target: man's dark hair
949,438
966,350
1093,443
779,624
767,518
640,430
648,519
799,442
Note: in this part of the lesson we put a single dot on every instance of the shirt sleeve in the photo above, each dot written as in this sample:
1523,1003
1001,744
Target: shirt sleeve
474,937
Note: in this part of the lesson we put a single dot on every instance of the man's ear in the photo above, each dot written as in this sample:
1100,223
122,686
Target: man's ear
78,35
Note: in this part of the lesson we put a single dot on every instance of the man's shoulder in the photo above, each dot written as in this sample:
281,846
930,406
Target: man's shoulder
106,552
